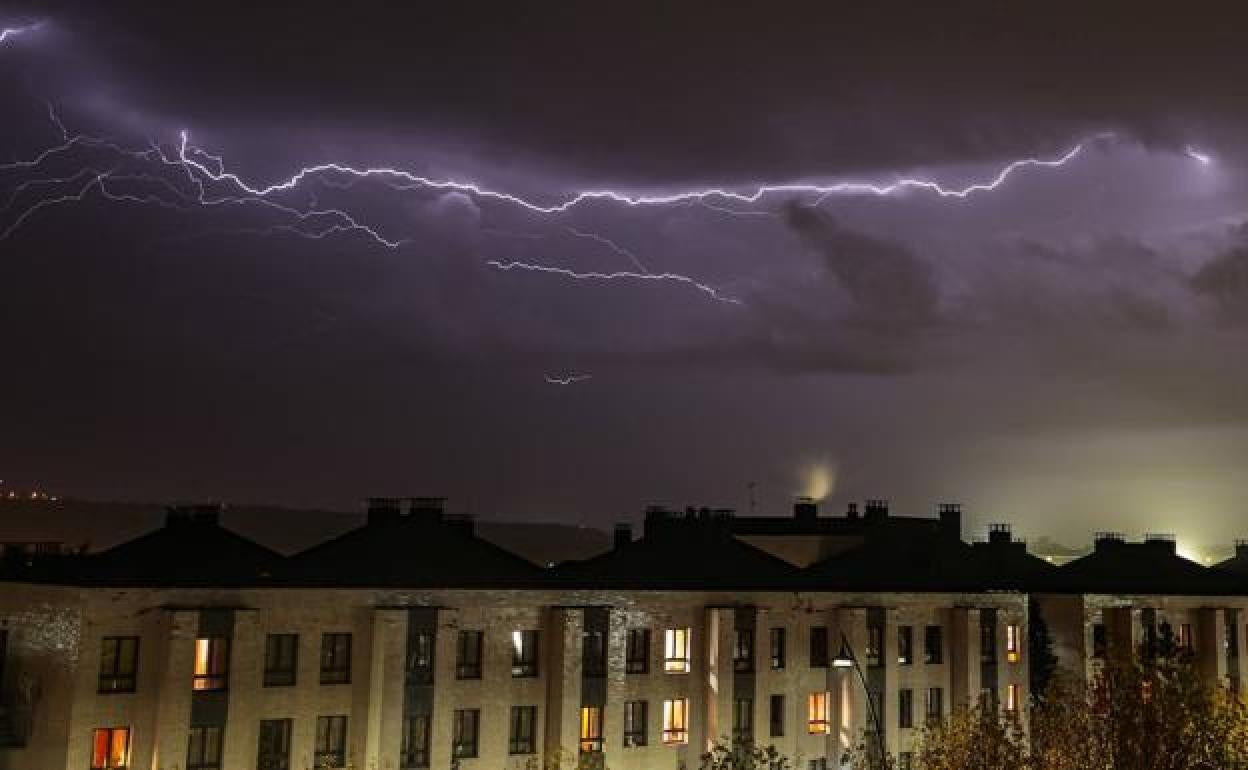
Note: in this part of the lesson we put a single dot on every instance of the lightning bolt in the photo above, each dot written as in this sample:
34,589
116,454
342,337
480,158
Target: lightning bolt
610,244
1202,158
711,291
570,379
8,33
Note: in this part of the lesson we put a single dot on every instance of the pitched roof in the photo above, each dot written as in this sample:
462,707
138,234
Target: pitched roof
1151,567
192,548
416,548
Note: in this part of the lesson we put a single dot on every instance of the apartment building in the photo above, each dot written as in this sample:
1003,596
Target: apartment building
410,642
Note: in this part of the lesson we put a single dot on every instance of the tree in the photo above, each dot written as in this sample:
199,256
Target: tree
1041,660
744,755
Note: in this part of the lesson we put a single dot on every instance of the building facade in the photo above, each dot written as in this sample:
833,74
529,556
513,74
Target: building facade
411,643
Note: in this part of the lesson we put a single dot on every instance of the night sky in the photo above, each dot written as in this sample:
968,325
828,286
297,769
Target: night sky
1066,350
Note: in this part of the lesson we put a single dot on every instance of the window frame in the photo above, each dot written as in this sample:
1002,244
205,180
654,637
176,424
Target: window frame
743,651
203,761
525,653
212,679
818,708
517,742
677,643
275,673
282,755
109,734
742,719
461,748
336,651
636,732
935,697
819,647
591,729
1013,643
593,653
905,645
468,656
115,680
637,641
874,652
335,725
933,654
905,707
675,721
775,715
411,754
778,647
421,658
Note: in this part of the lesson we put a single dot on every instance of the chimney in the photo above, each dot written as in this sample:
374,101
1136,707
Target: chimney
876,510
999,533
951,521
852,511
1107,540
1162,542
1241,550
622,536
392,509
204,514
805,509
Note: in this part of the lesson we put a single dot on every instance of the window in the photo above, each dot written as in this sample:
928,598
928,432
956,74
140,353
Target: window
776,715
119,663
1013,644
905,711
468,655
635,723
331,742
676,651
743,651
933,644
875,646
1011,697
467,725
593,654
1232,640
778,649
591,729
935,705
204,749
274,745
415,741
523,730
820,763
280,657
110,748
637,651
1100,640
420,657
524,653
212,657
1185,637
819,647
335,658
905,645
817,713
743,719
987,637
676,720
905,760
876,698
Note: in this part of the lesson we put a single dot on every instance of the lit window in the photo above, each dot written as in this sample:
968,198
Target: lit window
817,713
110,748
524,653
676,720
211,663
119,662
1011,697
676,651
204,749
591,729
1012,647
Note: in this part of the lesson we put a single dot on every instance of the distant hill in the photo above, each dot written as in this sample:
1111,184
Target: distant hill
100,525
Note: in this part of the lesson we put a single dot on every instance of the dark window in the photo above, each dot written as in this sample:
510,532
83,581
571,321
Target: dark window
935,705
204,751
743,719
212,663
420,657
119,663
1232,640
523,730
591,729
281,654
817,764
905,645
777,716
877,706
933,644
335,658
987,638
524,653
819,647
331,742
637,652
743,651
274,744
778,649
635,723
110,748
464,738
468,655
593,654
415,742
1100,640
875,645
905,712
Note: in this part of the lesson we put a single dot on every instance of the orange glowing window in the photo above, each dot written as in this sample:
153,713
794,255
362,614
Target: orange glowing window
1012,643
211,663
676,721
110,748
817,713
1011,697
676,651
591,729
